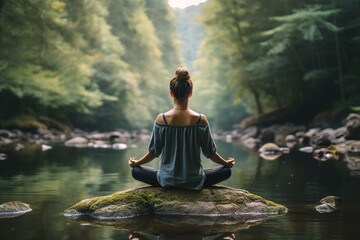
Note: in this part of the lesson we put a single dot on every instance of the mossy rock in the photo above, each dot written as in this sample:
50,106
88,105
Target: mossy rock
215,201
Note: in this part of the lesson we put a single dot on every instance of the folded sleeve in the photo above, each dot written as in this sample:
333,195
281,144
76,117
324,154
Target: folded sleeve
157,141
207,143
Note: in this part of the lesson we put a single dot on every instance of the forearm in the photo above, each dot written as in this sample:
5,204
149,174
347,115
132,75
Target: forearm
145,159
220,160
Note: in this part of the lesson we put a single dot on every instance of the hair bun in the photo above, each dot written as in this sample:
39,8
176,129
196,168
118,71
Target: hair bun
182,74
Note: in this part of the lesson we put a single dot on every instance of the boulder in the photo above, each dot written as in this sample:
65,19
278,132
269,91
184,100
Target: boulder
330,153
250,143
291,141
13,209
321,139
270,151
77,142
210,202
328,204
353,126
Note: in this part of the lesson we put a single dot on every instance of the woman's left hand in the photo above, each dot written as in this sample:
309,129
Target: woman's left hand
230,162
133,161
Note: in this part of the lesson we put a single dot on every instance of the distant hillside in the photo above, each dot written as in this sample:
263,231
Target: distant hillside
190,33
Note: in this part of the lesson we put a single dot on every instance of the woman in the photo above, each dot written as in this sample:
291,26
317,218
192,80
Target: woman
178,137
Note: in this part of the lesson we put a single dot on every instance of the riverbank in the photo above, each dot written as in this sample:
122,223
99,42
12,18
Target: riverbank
324,143
341,143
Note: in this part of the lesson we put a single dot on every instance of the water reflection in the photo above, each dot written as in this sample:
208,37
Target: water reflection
225,236
179,227
53,180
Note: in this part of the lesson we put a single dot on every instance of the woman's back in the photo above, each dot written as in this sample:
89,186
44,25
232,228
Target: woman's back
180,136
175,117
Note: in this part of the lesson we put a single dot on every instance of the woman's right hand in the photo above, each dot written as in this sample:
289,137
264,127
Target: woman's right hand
133,161
230,162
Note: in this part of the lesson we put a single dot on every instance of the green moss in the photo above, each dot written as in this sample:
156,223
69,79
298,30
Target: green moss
148,197
135,198
255,198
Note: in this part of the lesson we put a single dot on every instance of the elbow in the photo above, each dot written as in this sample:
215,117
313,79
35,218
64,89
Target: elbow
211,155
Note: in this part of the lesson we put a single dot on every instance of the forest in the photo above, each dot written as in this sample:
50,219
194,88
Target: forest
86,63
106,64
280,61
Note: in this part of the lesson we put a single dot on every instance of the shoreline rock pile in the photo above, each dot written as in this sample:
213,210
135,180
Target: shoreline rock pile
77,138
341,143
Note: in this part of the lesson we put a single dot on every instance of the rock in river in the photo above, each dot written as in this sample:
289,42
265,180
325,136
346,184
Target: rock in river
13,209
214,201
175,212
328,204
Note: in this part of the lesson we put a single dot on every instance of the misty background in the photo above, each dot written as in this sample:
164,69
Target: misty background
106,64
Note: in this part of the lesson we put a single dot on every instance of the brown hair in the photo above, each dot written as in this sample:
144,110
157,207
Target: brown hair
181,85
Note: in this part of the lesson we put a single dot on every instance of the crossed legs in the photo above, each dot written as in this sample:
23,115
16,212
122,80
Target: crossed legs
213,175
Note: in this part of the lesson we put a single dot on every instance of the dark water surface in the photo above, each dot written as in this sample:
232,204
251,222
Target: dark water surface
53,180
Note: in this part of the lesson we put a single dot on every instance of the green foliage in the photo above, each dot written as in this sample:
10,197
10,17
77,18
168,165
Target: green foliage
305,22
25,122
356,109
275,55
91,63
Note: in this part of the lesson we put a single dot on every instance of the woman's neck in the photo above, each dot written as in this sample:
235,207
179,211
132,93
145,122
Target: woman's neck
181,105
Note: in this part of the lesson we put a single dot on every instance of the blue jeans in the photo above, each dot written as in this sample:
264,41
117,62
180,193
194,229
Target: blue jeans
213,175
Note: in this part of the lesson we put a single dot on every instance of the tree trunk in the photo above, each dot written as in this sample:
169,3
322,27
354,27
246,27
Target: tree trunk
340,70
255,93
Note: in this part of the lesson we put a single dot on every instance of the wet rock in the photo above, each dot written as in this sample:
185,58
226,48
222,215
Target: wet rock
6,133
328,204
307,149
350,147
5,141
291,141
250,143
353,127
311,132
211,202
98,136
13,209
119,146
19,146
351,152
324,208
321,140
3,156
329,153
45,147
270,151
77,142
99,144
340,132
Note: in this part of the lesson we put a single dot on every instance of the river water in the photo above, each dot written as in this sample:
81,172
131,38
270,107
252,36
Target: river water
50,181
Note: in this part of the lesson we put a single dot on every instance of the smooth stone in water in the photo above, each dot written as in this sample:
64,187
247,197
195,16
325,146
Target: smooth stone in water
13,209
329,204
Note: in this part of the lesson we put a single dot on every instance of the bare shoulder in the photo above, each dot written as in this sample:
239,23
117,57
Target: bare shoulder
203,119
159,119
